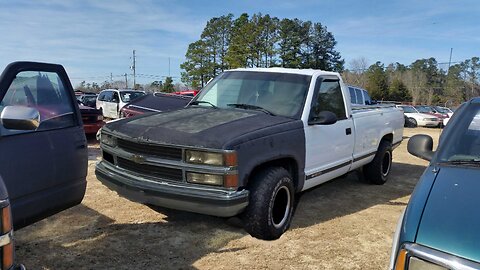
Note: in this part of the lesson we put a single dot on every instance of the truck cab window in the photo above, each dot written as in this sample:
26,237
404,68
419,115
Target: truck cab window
353,98
359,96
328,97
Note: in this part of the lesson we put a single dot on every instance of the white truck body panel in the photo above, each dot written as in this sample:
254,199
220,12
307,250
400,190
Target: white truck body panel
331,151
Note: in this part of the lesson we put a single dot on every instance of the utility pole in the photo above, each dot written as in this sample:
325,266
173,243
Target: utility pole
126,81
169,66
133,68
450,60
111,77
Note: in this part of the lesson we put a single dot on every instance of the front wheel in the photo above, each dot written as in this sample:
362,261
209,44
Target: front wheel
270,209
377,171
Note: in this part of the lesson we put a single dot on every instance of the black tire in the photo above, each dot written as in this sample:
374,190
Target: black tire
413,122
269,212
377,171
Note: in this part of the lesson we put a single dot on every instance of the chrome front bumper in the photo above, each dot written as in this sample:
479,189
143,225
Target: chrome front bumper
181,196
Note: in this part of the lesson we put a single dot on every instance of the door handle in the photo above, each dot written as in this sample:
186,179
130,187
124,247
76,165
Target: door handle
348,131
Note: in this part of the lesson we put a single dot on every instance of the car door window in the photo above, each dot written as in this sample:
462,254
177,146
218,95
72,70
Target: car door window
101,96
353,98
368,99
108,96
115,97
328,97
359,96
45,92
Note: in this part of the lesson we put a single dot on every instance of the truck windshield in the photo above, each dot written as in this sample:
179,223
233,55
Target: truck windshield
462,146
277,93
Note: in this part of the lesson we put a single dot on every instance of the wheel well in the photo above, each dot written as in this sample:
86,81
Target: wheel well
388,138
288,164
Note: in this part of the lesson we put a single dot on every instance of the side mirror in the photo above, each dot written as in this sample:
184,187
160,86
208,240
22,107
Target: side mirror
323,118
421,146
20,118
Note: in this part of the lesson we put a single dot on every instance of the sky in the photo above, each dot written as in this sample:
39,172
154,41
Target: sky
94,39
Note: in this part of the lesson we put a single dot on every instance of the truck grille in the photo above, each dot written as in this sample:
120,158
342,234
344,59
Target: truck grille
150,170
152,150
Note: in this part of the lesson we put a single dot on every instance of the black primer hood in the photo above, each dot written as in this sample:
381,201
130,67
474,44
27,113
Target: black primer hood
201,127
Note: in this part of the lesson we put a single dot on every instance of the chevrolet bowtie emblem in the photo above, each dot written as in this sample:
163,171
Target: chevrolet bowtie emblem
138,158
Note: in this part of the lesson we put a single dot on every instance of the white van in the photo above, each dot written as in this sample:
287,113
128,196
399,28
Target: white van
110,101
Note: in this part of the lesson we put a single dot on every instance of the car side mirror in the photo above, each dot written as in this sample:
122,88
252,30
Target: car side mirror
323,118
20,118
421,146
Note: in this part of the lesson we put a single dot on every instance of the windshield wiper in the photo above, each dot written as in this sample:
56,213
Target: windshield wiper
250,107
196,102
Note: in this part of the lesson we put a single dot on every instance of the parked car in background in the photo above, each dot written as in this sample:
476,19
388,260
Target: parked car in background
88,99
429,110
440,226
92,119
419,119
190,93
156,102
110,101
445,111
43,161
359,96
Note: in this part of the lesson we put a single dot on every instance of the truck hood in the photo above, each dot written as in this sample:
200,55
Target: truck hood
451,219
200,127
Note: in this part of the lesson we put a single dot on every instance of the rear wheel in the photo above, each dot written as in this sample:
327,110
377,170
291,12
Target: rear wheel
270,209
377,171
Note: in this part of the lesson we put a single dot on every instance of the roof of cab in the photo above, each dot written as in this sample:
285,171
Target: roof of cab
309,72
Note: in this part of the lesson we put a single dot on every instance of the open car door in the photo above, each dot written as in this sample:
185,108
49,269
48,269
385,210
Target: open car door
43,149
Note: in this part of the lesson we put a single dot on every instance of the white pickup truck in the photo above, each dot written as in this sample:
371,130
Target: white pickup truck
247,144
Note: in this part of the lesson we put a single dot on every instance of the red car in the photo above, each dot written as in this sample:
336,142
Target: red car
92,119
189,93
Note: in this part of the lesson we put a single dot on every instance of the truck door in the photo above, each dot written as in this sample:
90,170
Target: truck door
43,158
329,148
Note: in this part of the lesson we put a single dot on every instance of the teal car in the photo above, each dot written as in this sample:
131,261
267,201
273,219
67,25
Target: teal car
440,228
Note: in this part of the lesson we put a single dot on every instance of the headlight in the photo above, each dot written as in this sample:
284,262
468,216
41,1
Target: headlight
418,264
407,261
99,117
108,140
210,158
207,179
426,119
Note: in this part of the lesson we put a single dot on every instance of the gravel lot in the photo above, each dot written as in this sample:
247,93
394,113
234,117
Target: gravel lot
343,224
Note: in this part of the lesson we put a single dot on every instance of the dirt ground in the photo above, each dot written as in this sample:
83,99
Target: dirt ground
343,224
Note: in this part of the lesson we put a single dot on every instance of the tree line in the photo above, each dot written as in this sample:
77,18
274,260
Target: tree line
421,82
258,41
166,86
